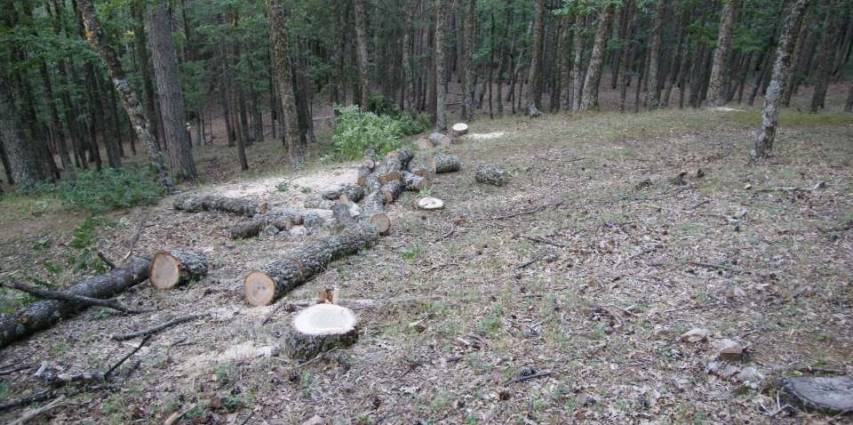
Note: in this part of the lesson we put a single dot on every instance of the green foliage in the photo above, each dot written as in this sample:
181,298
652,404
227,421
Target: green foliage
412,252
99,191
85,256
357,131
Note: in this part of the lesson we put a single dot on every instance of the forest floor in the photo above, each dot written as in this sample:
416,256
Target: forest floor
586,268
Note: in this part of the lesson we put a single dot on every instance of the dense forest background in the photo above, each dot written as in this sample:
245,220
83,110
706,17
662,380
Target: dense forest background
87,86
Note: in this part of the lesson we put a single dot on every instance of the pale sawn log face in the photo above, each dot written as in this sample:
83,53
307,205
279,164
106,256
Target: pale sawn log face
176,267
320,328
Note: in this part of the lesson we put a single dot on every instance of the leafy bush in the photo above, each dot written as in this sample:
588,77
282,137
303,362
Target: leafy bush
99,191
357,131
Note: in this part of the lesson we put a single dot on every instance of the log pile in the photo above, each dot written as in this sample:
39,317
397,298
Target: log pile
41,315
192,202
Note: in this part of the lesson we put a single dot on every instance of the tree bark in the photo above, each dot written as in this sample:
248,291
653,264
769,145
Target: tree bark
534,79
468,64
577,69
441,11
589,100
96,37
653,86
825,57
770,114
360,10
44,314
293,137
169,91
143,62
717,87
24,167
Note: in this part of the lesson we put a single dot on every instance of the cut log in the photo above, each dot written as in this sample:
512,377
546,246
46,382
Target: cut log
429,203
393,165
353,192
194,203
317,202
320,328
391,191
342,214
363,174
419,171
265,286
489,174
444,163
459,129
282,220
439,139
43,314
413,181
178,266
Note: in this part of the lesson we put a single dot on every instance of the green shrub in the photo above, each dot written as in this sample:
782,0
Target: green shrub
357,131
99,191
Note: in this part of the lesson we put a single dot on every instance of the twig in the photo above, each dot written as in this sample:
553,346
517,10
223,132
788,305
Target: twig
546,241
158,328
31,414
23,401
530,262
135,238
273,312
528,377
127,356
13,369
64,296
448,234
106,260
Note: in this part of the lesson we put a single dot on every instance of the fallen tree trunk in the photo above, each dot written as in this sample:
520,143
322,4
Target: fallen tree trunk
195,203
176,267
320,328
43,314
283,221
265,286
393,165
353,193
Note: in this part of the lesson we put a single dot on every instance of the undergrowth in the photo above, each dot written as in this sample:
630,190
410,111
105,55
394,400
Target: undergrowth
357,131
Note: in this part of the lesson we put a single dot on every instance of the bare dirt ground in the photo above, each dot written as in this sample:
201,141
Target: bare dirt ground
584,270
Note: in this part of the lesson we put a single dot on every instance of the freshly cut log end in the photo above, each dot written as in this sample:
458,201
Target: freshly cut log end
489,174
381,222
390,176
260,289
429,203
320,328
172,268
459,129
444,163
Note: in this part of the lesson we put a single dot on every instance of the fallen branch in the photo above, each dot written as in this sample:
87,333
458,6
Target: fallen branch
44,314
24,401
528,377
106,260
158,328
32,414
545,241
62,296
135,239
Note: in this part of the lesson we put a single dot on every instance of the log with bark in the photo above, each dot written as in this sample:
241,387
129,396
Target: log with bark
391,191
194,203
445,163
353,192
490,174
281,220
178,266
373,211
318,202
393,165
265,286
413,182
320,328
43,314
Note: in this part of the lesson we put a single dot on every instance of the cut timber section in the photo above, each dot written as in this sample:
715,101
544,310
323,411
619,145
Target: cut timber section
281,220
459,129
176,267
44,314
320,328
444,163
271,282
194,203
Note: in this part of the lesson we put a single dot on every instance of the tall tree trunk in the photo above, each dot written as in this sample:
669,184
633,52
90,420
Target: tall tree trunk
534,80
589,99
360,9
825,57
848,106
165,59
717,86
798,60
577,68
293,137
653,85
62,139
770,114
96,37
468,64
441,11
112,140
140,47
627,52
24,167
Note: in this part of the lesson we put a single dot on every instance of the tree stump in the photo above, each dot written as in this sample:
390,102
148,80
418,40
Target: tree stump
444,163
489,174
459,129
429,203
172,268
320,328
